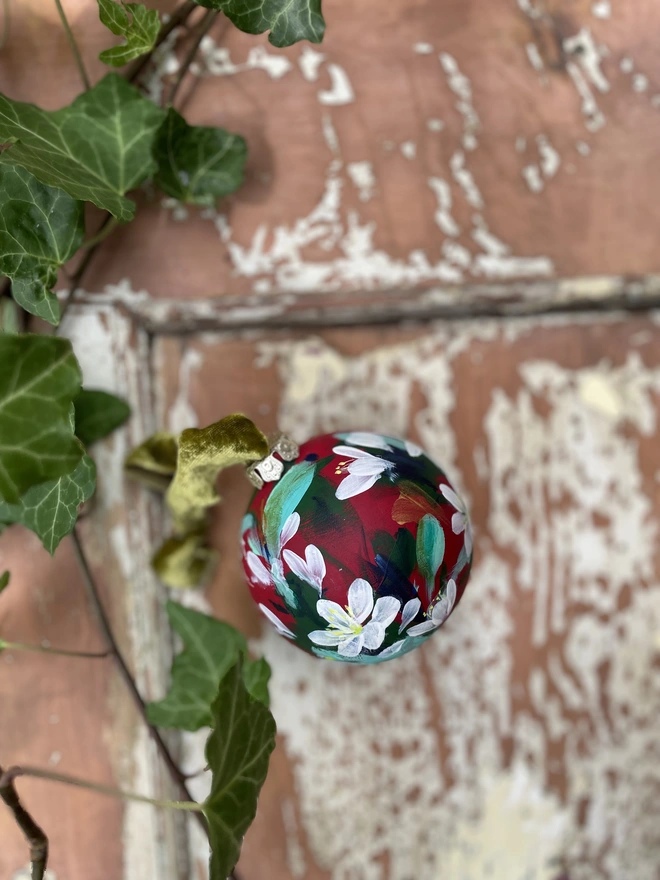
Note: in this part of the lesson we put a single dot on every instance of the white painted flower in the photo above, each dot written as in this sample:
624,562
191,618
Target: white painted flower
262,572
348,631
440,613
460,521
410,612
368,439
363,470
311,569
413,449
277,623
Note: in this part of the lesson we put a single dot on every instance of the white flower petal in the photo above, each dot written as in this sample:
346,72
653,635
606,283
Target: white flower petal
392,650
386,609
297,565
335,615
421,628
277,569
324,637
374,635
442,610
360,599
366,438
451,592
352,647
277,623
354,485
468,538
353,452
258,569
315,565
366,468
458,523
452,497
413,449
410,612
289,529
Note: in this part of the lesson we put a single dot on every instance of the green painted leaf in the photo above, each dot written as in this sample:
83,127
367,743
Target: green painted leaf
40,229
288,21
97,149
50,510
210,648
284,499
197,165
4,580
430,548
138,25
237,751
39,378
98,414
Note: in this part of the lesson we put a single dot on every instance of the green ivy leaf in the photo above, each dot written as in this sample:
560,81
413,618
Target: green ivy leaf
210,648
98,414
40,229
237,751
139,28
39,378
4,580
430,549
288,21
197,165
96,149
50,510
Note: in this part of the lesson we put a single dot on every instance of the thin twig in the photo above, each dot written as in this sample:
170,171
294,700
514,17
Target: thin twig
5,24
74,46
58,652
36,838
8,777
178,17
205,26
125,672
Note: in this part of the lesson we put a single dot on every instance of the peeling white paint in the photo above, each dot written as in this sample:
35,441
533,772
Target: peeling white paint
423,48
181,414
461,87
601,9
626,65
310,62
550,158
583,148
435,124
640,83
363,178
409,149
534,57
216,60
443,215
465,180
583,49
340,91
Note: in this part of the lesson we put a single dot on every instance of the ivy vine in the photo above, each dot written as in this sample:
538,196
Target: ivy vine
108,142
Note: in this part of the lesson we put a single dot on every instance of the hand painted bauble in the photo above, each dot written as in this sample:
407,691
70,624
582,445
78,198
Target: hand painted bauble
361,549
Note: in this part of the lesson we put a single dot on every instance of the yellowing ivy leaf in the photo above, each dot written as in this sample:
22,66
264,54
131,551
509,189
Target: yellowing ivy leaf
197,165
288,21
97,149
210,648
138,25
50,510
238,752
40,229
39,378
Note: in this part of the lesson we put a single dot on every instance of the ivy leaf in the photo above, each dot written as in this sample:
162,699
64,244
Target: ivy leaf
39,378
237,751
96,149
50,510
197,165
139,28
98,414
4,580
210,648
40,229
288,21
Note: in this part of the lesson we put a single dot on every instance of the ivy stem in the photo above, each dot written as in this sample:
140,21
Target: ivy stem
14,772
106,629
36,838
178,17
205,26
73,45
5,24
41,649
106,229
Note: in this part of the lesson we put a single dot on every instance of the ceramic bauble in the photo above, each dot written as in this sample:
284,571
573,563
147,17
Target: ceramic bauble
359,549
